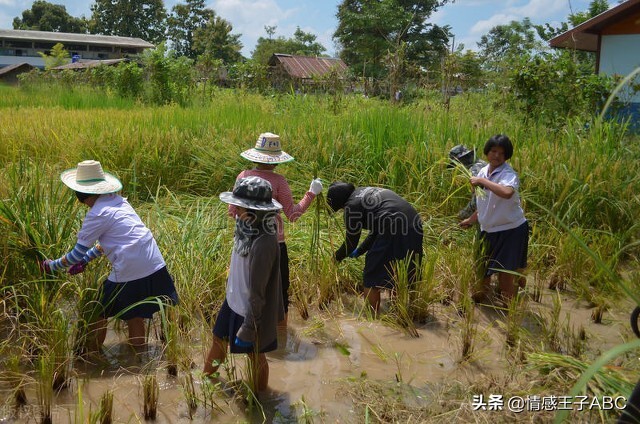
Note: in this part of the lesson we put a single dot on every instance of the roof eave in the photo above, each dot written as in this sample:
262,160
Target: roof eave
585,36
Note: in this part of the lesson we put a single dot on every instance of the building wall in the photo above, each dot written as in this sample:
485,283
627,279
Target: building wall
13,60
12,52
620,55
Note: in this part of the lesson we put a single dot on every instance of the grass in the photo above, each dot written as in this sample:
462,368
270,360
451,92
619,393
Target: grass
150,395
174,161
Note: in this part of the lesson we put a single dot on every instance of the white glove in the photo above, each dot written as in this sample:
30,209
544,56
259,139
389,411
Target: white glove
316,186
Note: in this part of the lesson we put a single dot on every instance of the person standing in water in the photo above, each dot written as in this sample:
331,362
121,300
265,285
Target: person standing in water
266,155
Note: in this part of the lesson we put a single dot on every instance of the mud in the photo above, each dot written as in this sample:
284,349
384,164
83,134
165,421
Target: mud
316,361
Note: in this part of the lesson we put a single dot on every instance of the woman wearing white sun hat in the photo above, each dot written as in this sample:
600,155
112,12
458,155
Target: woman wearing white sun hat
112,228
266,155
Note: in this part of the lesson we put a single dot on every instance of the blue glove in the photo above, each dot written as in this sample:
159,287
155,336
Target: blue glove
355,253
241,343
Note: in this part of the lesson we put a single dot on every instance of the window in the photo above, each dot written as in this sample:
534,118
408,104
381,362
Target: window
80,47
105,49
46,46
14,43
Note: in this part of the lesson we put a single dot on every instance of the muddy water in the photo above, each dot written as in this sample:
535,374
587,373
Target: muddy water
315,361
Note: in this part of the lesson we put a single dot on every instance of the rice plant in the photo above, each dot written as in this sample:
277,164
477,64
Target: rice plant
210,393
538,285
150,395
12,375
403,297
307,414
469,325
189,391
516,309
563,370
170,336
46,372
105,413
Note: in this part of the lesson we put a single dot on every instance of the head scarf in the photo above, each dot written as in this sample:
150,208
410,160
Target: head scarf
247,230
338,194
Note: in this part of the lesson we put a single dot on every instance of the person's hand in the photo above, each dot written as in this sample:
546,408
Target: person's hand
45,266
466,223
77,268
316,186
241,343
476,181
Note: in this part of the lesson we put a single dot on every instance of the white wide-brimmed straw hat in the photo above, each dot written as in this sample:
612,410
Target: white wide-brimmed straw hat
89,178
267,150
252,193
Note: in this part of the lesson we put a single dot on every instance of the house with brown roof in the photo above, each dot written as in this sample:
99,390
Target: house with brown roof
614,36
9,74
304,70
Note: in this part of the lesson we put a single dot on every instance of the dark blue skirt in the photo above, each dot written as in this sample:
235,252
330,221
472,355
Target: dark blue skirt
284,274
386,249
228,324
138,298
505,250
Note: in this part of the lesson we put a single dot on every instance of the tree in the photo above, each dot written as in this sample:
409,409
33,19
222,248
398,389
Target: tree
45,16
371,30
302,43
468,69
184,20
129,18
506,43
584,60
58,56
596,7
215,40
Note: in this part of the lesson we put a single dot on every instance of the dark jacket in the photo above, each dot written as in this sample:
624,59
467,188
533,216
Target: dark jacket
380,211
266,307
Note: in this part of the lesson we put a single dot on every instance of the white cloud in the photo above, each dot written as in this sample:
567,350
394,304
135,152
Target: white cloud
249,17
537,9
484,26
439,17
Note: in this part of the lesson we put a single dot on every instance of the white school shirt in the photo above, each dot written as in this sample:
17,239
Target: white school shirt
238,289
125,240
494,212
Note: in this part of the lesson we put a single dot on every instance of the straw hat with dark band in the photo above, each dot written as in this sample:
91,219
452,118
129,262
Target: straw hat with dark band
251,193
89,178
267,150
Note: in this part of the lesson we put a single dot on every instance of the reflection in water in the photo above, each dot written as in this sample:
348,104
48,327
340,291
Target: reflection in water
308,373
291,347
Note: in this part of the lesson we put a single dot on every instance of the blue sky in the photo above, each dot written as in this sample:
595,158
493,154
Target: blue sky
469,19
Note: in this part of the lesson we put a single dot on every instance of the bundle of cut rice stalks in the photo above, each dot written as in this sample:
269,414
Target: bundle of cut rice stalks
566,370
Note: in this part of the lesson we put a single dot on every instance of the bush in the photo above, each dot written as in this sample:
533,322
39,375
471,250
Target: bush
128,80
554,88
170,78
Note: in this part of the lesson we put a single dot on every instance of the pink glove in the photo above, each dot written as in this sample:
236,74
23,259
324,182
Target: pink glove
45,266
77,268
